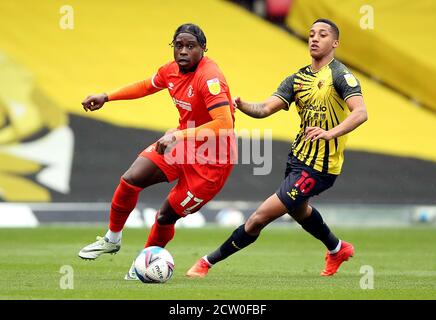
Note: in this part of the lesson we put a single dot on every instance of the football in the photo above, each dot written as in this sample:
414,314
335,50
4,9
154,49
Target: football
154,265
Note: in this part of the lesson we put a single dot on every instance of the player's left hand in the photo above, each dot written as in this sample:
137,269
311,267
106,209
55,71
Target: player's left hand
236,103
166,142
316,133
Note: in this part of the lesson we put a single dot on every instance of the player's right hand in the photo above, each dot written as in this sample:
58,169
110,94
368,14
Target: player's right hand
166,142
94,102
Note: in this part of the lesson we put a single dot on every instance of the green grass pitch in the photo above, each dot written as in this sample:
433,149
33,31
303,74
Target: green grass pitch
284,264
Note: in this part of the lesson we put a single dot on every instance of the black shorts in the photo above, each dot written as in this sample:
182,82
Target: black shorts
302,182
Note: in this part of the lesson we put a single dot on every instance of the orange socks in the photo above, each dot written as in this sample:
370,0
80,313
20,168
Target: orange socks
123,202
160,235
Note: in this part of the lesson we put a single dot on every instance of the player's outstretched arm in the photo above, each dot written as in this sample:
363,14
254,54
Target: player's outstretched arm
260,110
357,116
132,91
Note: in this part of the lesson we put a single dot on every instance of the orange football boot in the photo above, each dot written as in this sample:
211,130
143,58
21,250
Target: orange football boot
334,261
199,269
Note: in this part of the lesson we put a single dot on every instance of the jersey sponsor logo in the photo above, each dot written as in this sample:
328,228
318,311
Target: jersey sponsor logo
190,92
316,108
315,116
214,86
351,80
170,85
182,104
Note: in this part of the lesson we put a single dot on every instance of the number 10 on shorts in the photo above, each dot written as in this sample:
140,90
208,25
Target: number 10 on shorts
191,200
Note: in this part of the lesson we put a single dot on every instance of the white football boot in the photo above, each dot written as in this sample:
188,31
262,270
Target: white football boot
131,274
96,249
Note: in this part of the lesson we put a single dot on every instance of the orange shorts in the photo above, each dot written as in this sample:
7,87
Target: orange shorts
197,183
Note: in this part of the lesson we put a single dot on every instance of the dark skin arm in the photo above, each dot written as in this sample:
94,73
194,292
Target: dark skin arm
94,102
273,104
262,109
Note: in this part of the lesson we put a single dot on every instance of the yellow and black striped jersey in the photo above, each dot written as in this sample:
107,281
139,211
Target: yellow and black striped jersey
320,101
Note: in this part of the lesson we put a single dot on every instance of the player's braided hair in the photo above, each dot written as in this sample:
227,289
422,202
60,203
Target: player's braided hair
194,30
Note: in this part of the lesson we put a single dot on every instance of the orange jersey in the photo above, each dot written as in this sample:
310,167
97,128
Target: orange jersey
204,103
194,93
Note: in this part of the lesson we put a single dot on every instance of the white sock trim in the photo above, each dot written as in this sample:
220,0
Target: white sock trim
338,247
205,259
113,237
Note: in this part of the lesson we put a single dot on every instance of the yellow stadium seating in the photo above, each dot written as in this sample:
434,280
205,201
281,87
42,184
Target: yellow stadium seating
115,43
391,40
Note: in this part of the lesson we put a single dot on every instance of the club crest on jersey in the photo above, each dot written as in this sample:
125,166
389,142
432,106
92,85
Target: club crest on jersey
320,84
351,80
190,92
214,86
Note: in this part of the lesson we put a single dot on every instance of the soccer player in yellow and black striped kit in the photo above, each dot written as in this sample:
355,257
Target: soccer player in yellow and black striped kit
329,102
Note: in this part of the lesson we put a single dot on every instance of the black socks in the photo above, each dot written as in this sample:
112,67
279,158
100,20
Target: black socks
240,239
237,241
317,228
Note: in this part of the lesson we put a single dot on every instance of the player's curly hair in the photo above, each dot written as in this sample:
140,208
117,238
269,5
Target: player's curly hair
194,30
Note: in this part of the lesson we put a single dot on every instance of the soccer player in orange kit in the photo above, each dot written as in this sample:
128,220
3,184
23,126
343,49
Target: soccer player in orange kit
201,95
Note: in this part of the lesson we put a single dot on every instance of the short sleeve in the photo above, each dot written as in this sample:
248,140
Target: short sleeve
346,84
214,89
285,91
159,78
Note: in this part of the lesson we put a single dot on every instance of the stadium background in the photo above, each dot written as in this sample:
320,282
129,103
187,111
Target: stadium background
60,164
51,151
